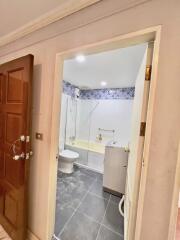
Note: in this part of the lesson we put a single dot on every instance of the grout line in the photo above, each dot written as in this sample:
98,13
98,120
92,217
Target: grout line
112,230
94,194
90,218
99,223
103,218
76,208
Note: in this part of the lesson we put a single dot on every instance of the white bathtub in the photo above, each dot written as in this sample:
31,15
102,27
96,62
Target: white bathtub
90,146
91,154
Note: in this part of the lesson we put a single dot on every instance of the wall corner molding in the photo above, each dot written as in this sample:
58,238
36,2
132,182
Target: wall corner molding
67,8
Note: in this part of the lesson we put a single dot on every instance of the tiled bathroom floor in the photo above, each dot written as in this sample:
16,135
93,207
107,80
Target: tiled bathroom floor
84,211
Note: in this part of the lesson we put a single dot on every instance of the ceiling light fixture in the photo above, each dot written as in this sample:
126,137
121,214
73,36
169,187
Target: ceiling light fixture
80,58
103,83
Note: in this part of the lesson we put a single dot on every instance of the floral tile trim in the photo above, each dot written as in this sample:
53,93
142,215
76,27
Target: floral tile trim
112,93
106,93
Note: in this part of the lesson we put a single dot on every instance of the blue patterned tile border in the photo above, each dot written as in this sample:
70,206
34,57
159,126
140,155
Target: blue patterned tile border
110,93
106,93
69,89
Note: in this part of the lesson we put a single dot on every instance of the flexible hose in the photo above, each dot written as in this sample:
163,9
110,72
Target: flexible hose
120,206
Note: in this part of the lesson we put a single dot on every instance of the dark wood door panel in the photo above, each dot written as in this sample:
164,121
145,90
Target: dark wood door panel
11,209
14,87
1,79
1,126
14,127
14,173
15,121
11,108
2,164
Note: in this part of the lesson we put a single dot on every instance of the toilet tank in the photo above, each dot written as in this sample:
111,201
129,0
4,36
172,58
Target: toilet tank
115,169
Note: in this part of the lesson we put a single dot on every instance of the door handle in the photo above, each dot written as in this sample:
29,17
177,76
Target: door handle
22,155
18,157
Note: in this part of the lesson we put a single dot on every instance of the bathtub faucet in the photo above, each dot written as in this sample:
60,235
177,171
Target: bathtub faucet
99,137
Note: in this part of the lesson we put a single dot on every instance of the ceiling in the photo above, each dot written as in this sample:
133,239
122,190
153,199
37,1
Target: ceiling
17,13
118,68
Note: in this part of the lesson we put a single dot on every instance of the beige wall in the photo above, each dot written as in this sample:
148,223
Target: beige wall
104,20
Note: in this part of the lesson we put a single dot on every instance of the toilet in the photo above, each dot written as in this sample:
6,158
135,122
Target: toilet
67,159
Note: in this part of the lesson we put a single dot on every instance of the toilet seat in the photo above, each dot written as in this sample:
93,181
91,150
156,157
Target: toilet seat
69,154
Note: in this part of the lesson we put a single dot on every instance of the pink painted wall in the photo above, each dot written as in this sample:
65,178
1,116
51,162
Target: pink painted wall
105,20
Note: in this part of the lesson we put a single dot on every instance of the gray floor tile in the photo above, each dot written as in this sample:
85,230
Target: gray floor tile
79,179
85,181
115,199
71,190
71,196
97,189
93,207
89,173
63,214
80,228
61,187
106,234
113,220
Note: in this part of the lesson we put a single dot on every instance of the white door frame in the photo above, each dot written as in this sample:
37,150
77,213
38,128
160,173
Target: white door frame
132,38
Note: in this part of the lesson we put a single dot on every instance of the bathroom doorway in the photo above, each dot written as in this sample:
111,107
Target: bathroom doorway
97,114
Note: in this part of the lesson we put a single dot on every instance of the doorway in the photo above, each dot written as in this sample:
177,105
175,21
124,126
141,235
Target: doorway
100,92
118,42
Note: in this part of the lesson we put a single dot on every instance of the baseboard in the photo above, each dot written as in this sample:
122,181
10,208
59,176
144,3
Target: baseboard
31,236
105,189
86,167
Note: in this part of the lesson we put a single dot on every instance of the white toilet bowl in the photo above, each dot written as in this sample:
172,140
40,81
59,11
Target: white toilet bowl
67,159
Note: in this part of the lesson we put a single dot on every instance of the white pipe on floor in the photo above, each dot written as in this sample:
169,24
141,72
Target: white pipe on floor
120,206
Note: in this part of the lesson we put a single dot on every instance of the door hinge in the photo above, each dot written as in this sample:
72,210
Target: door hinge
142,129
57,156
143,162
148,72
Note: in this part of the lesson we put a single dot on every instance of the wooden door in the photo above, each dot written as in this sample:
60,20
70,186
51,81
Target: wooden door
15,125
135,160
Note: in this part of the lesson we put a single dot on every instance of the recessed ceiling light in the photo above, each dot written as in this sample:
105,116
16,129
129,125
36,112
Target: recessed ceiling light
80,58
103,83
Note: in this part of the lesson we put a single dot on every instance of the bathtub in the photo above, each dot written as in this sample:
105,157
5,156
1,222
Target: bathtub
91,154
86,145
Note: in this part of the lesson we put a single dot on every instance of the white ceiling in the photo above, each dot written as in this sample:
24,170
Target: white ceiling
16,13
118,68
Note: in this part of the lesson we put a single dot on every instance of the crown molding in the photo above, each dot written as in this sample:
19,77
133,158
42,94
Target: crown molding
66,8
